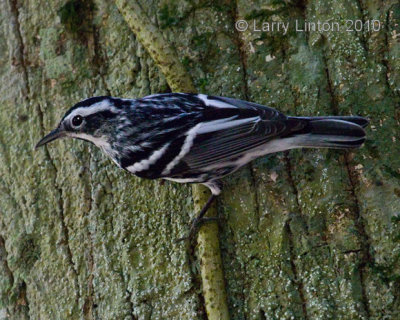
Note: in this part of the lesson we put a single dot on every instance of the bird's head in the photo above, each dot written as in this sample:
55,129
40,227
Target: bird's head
93,119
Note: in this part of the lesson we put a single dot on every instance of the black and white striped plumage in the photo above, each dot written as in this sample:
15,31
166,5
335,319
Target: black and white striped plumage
197,138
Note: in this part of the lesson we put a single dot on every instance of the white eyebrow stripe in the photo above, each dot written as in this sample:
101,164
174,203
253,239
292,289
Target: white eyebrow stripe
94,108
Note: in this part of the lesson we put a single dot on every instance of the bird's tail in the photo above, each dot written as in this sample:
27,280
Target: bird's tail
331,132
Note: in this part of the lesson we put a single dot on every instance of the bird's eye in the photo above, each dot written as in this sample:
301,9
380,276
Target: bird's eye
77,121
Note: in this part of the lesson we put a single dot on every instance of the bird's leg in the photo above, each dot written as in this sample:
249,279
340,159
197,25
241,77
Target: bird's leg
199,220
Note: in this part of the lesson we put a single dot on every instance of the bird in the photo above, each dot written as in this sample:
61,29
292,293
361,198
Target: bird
197,138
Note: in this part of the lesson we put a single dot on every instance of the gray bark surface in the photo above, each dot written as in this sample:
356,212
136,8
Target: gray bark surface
307,234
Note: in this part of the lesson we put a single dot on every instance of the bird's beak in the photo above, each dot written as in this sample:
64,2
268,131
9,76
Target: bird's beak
53,135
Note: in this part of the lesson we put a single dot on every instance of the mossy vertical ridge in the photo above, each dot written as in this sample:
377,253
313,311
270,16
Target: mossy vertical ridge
179,80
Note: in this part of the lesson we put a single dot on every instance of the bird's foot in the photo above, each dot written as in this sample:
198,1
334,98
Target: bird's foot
195,227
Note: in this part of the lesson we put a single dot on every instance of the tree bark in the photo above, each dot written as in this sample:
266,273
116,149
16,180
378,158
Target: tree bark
306,234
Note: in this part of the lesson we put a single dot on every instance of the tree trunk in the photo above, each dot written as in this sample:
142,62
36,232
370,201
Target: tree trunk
307,234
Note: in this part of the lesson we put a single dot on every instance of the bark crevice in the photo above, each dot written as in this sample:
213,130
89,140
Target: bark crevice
3,259
291,182
22,62
21,47
297,278
331,89
363,39
366,257
385,60
21,304
60,206
298,281
131,305
89,305
246,92
99,60
99,63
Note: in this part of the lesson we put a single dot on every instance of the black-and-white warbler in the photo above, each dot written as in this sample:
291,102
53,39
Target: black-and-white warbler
197,138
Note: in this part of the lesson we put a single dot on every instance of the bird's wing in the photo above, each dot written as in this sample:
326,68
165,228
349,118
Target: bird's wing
225,138
217,143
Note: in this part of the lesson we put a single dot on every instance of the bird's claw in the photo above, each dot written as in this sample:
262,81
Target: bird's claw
195,227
